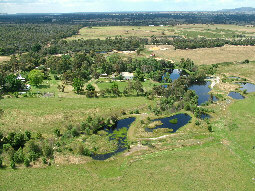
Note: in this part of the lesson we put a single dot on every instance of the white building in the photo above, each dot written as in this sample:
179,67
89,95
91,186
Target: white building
21,78
127,75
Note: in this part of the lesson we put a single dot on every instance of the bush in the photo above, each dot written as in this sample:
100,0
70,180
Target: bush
47,151
1,162
27,135
174,121
197,123
13,165
57,132
18,156
74,132
33,150
6,147
136,111
86,152
39,135
44,160
210,129
26,162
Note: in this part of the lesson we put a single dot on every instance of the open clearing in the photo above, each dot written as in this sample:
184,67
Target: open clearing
206,55
211,167
4,58
45,114
190,31
240,70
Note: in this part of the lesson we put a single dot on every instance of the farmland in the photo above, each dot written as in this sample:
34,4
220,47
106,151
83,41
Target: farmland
72,115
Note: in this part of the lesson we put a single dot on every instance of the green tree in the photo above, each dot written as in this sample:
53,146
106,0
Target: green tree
35,77
12,84
78,85
90,87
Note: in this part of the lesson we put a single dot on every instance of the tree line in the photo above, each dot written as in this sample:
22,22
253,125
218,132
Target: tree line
19,38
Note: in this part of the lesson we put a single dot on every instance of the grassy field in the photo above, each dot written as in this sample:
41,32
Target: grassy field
239,70
147,85
206,55
190,31
208,167
46,114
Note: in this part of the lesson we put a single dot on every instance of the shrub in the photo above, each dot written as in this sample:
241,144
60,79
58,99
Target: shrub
173,121
38,135
26,162
18,156
1,162
6,147
13,165
197,122
57,132
74,132
33,150
27,135
210,129
47,151
83,126
136,111
18,141
44,160
87,152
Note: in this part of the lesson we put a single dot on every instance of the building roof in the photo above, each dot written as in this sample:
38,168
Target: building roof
127,74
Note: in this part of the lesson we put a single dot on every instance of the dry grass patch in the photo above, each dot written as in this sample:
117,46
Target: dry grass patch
208,55
125,31
239,70
4,58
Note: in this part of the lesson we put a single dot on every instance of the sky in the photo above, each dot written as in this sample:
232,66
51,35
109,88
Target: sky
70,6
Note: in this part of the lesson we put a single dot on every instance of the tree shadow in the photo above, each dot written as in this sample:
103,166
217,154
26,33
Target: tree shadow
43,86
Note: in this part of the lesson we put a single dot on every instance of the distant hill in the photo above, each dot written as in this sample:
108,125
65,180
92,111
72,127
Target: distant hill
241,9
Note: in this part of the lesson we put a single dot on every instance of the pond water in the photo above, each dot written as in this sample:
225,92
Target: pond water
235,95
174,75
234,77
182,119
247,86
205,116
202,90
123,123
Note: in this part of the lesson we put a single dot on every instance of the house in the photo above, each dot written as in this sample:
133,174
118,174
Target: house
104,75
21,78
127,75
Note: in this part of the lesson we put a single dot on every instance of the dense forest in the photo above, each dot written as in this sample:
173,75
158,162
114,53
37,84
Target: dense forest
132,19
18,38
23,32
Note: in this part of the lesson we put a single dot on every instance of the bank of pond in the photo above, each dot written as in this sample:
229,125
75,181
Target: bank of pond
172,123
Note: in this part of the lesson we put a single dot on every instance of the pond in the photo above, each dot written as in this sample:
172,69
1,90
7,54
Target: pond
202,90
121,124
174,75
247,86
182,119
235,95
205,116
